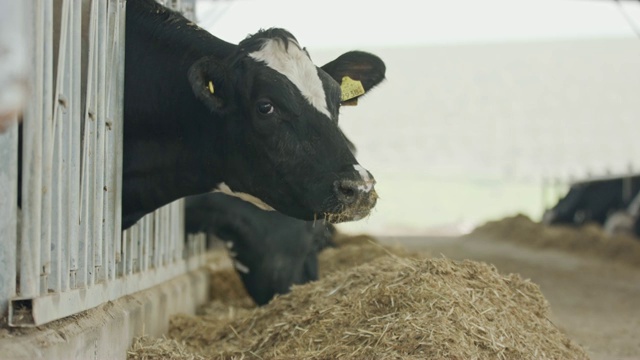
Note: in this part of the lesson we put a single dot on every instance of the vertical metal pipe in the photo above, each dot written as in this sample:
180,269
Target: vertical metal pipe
118,125
14,42
143,252
109,230
165,235
48,156
55,142
137,236
99,149
157,251
8,215
29,252
85,265
73,150
173,236
128,250
179,231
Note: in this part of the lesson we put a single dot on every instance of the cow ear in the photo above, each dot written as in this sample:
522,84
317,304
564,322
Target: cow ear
357,72
209,82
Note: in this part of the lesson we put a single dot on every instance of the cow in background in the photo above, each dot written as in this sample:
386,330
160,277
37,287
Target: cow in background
593,201
625,221
270,251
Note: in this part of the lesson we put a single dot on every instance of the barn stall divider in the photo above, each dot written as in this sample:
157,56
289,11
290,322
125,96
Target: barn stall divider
62,251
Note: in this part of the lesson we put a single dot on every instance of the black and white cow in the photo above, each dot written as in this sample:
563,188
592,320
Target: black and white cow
258,119
592,201
625,221
271,251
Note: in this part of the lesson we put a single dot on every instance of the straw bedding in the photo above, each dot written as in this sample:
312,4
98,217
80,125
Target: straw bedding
589,239
390,306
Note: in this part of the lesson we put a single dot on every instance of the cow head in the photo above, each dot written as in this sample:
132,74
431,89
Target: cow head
283,148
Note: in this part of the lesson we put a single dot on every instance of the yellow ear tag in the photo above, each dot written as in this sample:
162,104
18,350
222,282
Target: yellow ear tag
351,88
211,87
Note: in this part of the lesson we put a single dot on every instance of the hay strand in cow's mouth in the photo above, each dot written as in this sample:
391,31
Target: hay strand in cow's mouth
358,211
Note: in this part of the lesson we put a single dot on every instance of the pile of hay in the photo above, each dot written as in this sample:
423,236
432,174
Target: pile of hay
588,239
392,308
352,251
148,348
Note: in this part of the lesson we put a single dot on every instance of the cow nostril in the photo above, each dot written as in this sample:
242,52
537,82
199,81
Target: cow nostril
347,191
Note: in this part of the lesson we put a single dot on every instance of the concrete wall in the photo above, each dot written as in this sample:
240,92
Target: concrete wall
106,332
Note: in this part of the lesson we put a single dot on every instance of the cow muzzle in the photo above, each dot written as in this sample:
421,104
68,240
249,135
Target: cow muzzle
355,199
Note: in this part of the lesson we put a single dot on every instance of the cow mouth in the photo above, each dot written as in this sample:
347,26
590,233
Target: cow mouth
353,212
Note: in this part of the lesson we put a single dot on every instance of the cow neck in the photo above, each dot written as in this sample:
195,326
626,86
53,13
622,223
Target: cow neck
168,133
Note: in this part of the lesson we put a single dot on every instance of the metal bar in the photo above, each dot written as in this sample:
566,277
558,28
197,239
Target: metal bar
85,266
157,251
133,246
173,217
98,207
73,152
59,138
166,232
40,310
165,235
92,260
47,147
143,252
126,258
8,215
111,173
29,252
117,133
179,231
118,125
14,42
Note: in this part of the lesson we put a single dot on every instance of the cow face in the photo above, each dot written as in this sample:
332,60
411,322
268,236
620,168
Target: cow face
283,147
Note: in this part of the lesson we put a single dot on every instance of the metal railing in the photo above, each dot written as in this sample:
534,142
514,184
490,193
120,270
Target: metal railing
63,252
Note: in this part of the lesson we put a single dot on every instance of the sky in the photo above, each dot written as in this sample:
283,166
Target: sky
359,23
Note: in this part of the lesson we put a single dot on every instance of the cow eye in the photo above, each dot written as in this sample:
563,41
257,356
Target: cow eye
265,108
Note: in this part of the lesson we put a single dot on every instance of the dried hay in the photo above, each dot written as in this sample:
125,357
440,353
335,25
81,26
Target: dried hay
351,251
148,348
226,287
589,239
389,307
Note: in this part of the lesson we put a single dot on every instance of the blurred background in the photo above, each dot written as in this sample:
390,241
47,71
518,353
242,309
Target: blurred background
490,108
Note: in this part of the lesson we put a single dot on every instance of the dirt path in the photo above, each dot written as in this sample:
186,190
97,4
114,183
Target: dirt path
597,303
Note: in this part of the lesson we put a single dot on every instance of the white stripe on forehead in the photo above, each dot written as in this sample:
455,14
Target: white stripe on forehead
295,64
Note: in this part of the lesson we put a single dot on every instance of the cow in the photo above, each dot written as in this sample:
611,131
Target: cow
257,120
625,221
270,251
592,201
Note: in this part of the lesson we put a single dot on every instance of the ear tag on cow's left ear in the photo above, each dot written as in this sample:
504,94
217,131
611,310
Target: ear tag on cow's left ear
351,89
211,87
